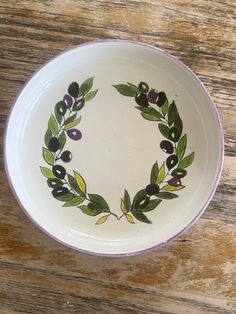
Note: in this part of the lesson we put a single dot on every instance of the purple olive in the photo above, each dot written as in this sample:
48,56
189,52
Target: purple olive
68,101
153,96
174,182
152,189
74,134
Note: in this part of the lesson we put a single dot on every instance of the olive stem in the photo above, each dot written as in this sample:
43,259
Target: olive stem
114,215
121,216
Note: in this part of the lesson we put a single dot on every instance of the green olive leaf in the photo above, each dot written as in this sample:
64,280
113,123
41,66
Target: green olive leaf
47,137
86,86
178,124
135,88
172,113
127,201
149,117
150,111
126,90
152,205
187,161
74,201
166,195
62,139
65,198
72,124
154,173
165,107
181,147
164,130
47,173
52,124
90,95
90,211
71,118
99,201
140,216
48,156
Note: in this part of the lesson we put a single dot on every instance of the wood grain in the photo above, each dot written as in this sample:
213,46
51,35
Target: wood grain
196,273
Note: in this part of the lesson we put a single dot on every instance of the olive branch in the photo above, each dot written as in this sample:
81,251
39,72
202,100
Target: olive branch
155,107
72,189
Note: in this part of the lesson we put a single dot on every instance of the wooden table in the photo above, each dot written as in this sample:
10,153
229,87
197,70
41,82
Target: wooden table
196,273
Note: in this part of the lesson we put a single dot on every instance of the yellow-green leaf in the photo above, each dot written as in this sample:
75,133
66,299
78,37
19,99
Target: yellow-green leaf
102,219
122,206
47,173
72,124
48,156
90,95
129,218
80,181
173,188
161,174
52,125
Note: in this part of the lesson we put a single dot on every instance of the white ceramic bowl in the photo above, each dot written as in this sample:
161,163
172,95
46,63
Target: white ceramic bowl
130,132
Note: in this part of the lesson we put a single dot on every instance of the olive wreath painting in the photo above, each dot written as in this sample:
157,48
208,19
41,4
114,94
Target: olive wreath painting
165,178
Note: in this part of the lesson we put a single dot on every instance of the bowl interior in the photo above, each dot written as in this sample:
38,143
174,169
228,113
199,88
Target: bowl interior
118,146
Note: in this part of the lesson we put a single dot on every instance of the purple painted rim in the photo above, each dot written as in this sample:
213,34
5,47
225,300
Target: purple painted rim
196,218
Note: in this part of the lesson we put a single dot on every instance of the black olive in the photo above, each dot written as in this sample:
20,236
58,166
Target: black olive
161,99
143,87
141,100
152,189
142,202
53,144
66,156
59,171
61,190
73,89
179,173
54,183
171,161
174,134
167,147
61,108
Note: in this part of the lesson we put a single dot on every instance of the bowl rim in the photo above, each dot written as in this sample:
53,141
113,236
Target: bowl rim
213,189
